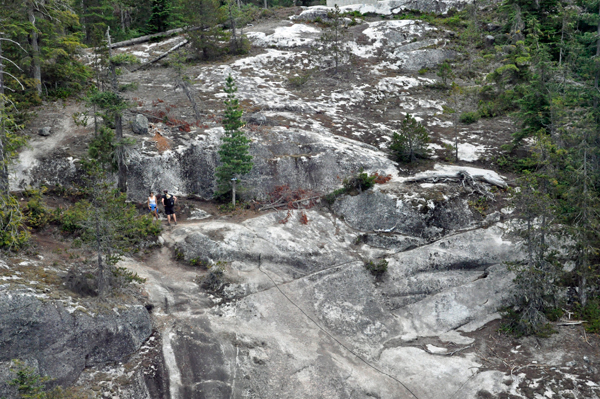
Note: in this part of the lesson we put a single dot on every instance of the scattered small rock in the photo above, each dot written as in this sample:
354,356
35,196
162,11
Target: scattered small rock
198,214
489,40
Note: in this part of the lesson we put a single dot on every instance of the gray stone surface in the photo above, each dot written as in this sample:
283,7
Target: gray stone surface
376,211
301,339
45,131
139,125
60,341
301,159
388,7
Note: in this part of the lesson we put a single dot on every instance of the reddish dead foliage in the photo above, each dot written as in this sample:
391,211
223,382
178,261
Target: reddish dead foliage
303,218
284,196
382,179
287,217
162,143
167,120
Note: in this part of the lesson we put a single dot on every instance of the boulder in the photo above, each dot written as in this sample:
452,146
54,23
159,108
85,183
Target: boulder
140,124
45,131
489,40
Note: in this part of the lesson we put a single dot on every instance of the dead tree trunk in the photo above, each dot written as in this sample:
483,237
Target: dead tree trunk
35,51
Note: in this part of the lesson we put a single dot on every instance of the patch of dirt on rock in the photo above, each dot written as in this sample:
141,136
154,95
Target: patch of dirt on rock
567,364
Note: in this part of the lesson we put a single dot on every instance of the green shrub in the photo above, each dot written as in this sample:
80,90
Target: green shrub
591,313
518,324
13,233
469,117
423,71
353,14
331,197
298,81
124,59
28,382
126,276
377,269
36,214
361,182
72,220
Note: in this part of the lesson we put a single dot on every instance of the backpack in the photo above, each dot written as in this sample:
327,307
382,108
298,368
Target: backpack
169,200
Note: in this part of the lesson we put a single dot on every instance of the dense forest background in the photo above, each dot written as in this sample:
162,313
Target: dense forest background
543,70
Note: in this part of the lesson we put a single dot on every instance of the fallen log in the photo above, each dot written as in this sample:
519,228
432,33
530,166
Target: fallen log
436,178
147,38
160,57
570,323
275,206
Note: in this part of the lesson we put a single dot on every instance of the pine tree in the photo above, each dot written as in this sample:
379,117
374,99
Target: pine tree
161,11
332,48
233,153
411,142
204,16
12,231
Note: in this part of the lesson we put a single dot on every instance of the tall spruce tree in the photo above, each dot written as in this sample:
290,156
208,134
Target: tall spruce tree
234,156
204,16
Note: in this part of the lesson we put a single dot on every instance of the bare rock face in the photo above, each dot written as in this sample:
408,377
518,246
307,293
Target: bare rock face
327,312
298,158
60,342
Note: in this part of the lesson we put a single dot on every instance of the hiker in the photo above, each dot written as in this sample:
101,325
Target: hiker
168,201
152,205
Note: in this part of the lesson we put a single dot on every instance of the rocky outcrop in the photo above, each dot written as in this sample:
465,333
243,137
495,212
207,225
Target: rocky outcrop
60,341
309,160
327,311
387,7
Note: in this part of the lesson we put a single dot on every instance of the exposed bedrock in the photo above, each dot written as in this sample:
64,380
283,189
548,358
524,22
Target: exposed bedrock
59,341
301,338
301,159
387,7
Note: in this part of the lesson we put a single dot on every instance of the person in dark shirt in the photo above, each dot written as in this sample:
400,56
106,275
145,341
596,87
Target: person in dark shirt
168,201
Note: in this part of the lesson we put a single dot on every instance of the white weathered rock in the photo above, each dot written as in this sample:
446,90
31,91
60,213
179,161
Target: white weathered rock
263,333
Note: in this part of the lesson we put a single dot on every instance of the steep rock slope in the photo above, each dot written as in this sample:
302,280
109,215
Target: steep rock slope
60,339
302,317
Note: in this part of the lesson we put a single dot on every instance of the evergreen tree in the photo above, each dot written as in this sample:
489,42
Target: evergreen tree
12,231
159,20
411,142
204,16
332,49
233,153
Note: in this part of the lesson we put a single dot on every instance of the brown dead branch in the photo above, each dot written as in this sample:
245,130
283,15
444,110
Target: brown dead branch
466,179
